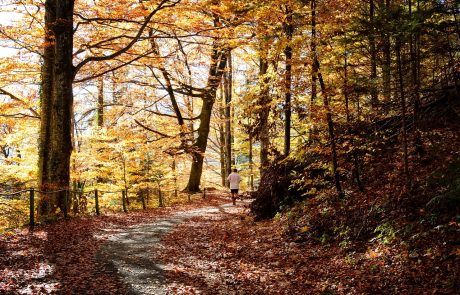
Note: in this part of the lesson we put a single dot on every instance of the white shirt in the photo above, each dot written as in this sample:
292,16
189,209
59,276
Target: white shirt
234,180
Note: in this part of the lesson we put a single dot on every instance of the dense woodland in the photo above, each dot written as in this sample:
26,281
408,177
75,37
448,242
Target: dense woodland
341,116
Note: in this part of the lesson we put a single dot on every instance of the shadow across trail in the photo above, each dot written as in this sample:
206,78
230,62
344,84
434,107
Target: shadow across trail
130,251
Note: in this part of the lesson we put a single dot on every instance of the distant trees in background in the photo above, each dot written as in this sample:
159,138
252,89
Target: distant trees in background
193,88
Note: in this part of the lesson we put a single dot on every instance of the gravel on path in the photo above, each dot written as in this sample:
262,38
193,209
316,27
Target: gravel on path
129,251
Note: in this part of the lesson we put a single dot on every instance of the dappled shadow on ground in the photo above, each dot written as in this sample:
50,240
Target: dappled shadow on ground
61,257
56,258
131,251
230,254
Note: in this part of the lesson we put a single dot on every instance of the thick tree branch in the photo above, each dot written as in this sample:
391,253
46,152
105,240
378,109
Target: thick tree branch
171,116
160,6
15,98
112,69
152,130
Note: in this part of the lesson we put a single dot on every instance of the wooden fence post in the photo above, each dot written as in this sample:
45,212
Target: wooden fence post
123,198
143,201
66,200
96,201
160,198
148,196
31,208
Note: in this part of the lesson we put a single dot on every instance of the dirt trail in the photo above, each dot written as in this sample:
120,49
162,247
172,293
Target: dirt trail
129,251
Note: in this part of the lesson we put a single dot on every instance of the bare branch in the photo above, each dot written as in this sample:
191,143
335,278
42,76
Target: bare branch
160,6
152,130
112,69
15,98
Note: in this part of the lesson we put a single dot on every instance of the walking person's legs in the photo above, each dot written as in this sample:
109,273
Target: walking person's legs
234,195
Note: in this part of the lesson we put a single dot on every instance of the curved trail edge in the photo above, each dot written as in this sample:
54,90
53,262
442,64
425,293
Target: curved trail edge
129,252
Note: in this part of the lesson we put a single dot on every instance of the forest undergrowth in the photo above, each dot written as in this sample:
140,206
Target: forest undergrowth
388,239
404,234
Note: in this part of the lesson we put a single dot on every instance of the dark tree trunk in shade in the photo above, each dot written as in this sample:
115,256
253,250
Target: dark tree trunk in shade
251,164
264,103
200,144
223,170
414,45
330,126
385,6
100,102
356,173
373,51
402,95
288,30
314,72
56,102
228,91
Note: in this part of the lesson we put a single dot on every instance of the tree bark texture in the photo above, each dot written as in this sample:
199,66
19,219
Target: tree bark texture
228,89
251,163
56,101
403,113
288,28
264,103
223,170
356,174
373,51
386,48
314,72
100,102
330,125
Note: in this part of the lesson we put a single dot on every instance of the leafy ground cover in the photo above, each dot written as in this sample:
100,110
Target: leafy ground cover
61,257
228,253
225,252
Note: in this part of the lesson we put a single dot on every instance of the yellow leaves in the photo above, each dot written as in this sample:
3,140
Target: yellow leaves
456,252
304,229
372,254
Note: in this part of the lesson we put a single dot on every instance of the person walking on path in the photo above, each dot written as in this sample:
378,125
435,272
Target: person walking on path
234,180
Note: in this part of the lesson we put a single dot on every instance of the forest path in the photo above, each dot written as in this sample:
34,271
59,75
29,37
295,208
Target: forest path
129,251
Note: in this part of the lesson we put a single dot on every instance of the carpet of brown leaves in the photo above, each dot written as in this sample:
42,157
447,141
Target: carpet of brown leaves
60,258
228,253
220,253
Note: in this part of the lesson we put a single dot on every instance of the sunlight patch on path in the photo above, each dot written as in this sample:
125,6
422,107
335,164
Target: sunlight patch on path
129,252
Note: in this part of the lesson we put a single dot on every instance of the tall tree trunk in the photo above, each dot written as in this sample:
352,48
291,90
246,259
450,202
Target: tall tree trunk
228,89
314,72
415,73
125,177
386,48
223,170
56,103
200,144
251,163
356,169
330,125
100,102
46,102
373,50
288,30
264,103
216,70
403,113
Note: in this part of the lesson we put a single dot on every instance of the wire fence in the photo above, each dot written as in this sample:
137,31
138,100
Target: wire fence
15,204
